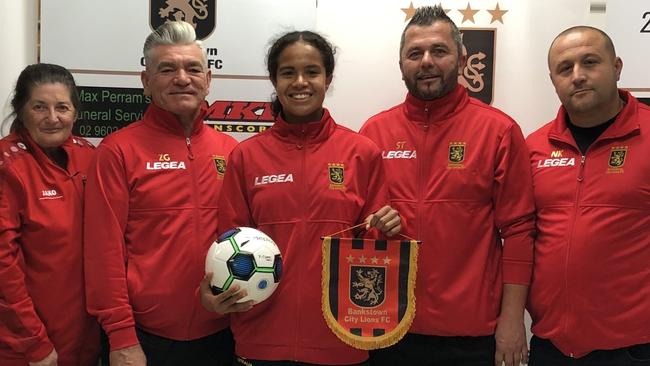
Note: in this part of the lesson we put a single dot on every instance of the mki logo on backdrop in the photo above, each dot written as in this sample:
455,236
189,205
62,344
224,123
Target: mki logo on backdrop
200,13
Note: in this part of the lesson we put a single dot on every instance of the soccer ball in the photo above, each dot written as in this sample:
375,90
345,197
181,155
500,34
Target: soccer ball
246,257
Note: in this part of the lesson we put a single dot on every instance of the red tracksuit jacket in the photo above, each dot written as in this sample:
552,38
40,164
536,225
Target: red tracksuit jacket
41,278
458,174
591,284
278,181
151,215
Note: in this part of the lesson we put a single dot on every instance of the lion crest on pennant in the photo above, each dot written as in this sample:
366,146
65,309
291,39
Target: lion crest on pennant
367,286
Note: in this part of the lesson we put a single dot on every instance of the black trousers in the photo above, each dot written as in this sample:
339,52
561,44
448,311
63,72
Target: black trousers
214,350
240,361
424,350
544,353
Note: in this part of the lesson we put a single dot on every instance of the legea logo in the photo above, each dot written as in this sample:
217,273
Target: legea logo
165,163
273,178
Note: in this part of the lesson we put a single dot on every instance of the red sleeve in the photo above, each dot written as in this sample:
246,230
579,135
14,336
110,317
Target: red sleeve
105,215
514,207
234,208
377,193
20,326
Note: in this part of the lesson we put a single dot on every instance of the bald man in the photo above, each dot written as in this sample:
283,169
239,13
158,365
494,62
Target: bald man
590,293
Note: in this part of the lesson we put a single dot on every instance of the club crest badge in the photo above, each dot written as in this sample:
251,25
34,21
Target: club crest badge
200,13
617,159
220,165
336,175
367,286
478,74
456,155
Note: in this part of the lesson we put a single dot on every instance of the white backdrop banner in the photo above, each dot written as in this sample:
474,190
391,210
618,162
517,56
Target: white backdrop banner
514,72
628,24
103,49
101,42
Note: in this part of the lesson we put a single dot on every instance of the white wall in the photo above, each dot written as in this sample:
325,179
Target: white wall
367,78
18,37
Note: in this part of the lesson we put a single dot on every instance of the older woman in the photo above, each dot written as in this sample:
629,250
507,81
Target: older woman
43,320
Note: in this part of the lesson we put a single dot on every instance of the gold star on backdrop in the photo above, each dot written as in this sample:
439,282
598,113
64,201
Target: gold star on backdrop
410,11
468,14
497,14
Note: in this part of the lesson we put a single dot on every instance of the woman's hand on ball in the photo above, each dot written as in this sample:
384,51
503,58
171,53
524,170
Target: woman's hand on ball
225,302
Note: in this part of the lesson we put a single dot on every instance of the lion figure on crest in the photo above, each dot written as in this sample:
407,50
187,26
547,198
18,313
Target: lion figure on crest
368,286
186,10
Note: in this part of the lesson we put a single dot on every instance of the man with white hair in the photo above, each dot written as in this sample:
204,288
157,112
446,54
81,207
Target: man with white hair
151,214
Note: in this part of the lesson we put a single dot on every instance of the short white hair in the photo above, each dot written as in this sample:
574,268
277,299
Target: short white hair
171,33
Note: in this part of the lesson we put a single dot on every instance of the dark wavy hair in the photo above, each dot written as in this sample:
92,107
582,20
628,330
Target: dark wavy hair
317,41
36,75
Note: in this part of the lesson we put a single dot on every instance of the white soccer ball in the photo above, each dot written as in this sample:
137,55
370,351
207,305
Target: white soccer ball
246,257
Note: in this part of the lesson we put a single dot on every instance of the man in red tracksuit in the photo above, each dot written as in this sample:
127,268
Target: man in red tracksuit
590,293
151,215
458,174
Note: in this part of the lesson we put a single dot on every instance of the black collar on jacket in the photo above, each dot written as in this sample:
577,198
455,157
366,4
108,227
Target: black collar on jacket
625,123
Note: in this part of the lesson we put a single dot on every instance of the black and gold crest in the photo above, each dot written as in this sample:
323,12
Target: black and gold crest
617,157
367,286
478,74
201,14
336,174
220,165
456,153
